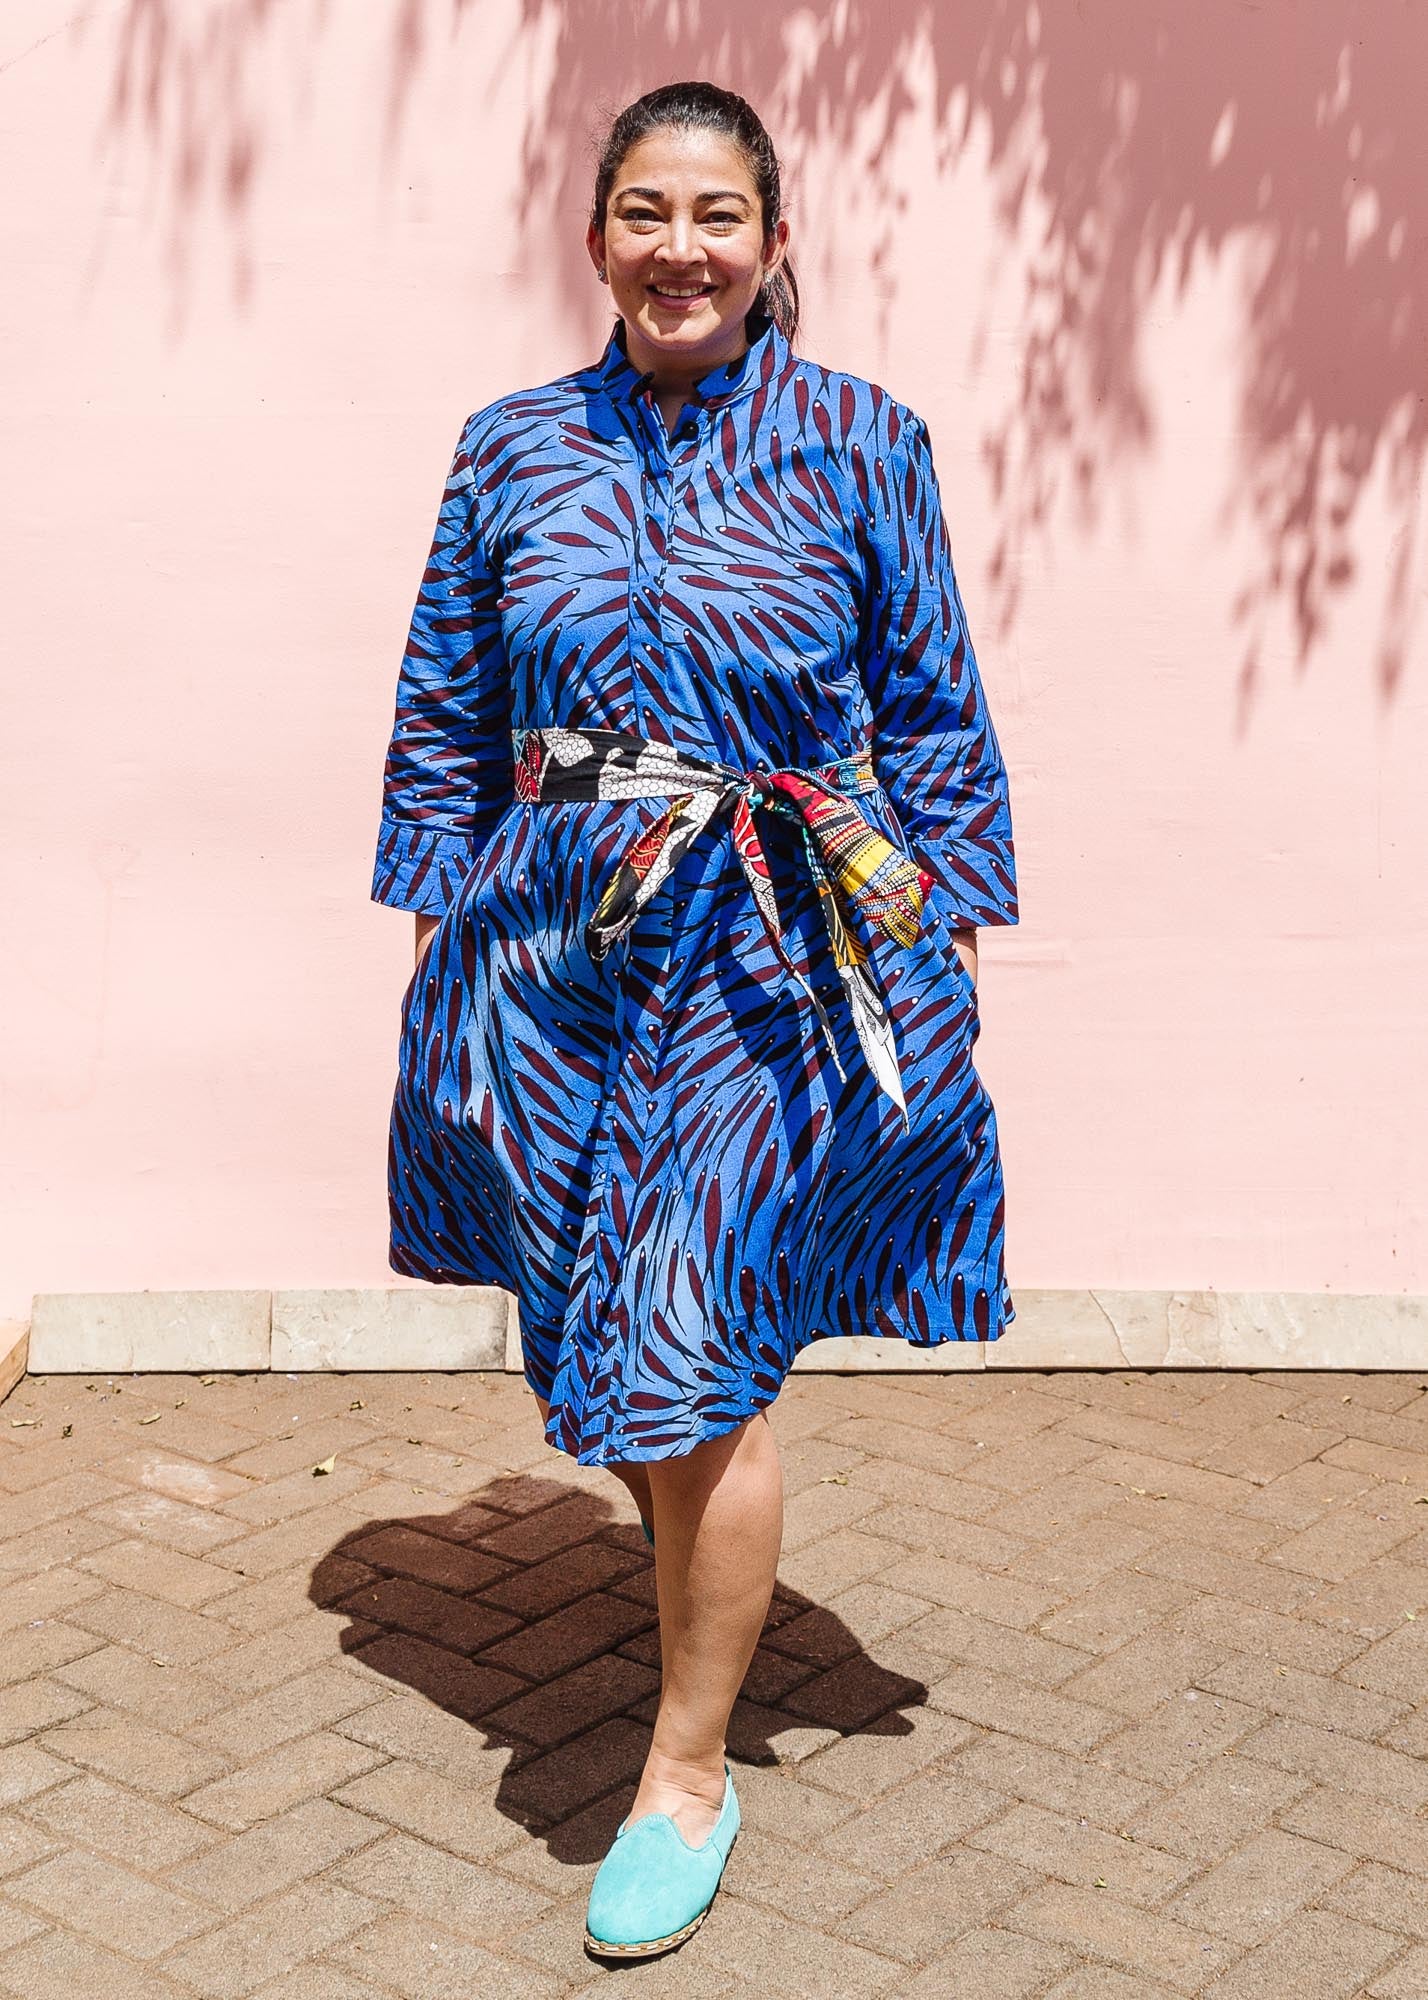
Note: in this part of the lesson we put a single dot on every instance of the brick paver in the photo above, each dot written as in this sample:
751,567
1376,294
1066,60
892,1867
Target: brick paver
1076,1686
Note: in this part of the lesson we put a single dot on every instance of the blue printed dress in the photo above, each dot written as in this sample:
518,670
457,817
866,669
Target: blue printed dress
692,759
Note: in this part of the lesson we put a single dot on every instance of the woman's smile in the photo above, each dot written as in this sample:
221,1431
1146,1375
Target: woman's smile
678,295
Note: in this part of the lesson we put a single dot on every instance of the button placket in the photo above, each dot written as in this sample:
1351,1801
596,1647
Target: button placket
647,580
625,1096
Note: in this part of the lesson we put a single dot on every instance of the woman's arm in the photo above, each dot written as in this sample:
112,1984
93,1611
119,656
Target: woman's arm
425,925
934,746
449,771
966,943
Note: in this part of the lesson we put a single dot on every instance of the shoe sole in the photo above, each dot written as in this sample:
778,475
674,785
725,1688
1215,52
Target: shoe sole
652,1947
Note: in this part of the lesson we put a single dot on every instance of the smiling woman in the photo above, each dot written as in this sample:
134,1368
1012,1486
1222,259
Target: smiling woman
693,776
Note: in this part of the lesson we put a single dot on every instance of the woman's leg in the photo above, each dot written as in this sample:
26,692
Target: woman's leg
718,1516
718,1519
631,1474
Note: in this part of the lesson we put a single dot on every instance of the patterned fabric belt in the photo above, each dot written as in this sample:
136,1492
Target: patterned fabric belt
858,871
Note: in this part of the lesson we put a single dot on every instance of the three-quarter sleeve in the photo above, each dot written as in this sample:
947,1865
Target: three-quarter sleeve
934,747
449,772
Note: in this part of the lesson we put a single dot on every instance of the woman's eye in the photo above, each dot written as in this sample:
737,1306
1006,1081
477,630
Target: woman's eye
637,217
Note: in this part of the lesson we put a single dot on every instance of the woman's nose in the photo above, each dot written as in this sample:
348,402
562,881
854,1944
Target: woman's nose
679,238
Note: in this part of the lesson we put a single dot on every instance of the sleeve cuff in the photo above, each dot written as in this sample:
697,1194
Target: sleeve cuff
977,887
420,867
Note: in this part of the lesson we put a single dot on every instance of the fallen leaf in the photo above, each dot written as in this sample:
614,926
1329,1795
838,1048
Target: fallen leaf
358,1405
153,1418
23,1423
327,1465
68,1431
208,1380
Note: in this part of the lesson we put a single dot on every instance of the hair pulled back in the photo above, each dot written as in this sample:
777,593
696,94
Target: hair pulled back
706,107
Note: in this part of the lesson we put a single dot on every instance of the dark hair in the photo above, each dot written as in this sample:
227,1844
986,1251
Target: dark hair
705,107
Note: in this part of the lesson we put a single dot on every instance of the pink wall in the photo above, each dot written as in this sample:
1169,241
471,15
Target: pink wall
1156,281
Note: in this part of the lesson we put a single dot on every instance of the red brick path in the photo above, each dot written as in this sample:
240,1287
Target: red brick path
1078,1686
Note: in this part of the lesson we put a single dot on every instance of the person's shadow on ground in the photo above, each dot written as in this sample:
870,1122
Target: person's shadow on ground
529,1614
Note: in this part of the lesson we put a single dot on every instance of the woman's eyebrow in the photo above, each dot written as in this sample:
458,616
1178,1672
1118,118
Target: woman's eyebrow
710,194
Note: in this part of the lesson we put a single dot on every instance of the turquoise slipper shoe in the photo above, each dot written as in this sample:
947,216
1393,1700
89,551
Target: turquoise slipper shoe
653,1890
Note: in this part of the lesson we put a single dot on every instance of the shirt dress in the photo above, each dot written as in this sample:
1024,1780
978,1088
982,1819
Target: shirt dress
684,1139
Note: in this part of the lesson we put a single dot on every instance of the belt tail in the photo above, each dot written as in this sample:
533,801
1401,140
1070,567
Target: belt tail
872,1018
874,1022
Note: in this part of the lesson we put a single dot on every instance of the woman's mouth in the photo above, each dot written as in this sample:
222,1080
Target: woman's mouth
677,296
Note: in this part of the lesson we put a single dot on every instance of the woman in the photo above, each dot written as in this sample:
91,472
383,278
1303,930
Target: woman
693,788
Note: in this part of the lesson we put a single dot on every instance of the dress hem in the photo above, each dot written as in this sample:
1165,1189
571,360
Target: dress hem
600,1455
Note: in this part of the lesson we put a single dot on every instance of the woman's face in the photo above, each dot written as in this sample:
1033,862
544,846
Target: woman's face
684,214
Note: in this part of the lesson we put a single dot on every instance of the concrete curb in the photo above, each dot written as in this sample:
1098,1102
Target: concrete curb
458,1328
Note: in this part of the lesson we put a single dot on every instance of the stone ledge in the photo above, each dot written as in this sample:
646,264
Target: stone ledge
450,1327
433,1326
1107,1329
82,1333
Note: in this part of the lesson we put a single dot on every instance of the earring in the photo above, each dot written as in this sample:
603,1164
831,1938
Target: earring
600,274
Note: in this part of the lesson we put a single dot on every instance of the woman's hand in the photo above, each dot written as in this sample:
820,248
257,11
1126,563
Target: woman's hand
425,925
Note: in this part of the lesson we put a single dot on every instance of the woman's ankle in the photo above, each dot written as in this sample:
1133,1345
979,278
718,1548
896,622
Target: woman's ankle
700,1777
693,1806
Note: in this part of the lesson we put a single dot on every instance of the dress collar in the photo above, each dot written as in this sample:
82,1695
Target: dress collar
764,359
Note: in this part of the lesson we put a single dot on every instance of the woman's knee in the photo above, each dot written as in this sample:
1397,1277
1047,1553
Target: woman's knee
707,1461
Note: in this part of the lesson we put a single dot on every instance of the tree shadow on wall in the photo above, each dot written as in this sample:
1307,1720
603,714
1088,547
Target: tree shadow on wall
1128,140
527,1616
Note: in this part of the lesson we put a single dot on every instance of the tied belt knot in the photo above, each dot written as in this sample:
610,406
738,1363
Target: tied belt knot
862,877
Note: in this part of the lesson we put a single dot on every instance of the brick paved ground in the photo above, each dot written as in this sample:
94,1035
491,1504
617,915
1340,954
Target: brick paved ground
1094,1686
